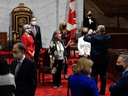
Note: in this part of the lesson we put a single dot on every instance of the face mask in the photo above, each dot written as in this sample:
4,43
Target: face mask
89,15
58,36
84,33
63,26
28,30
90,71
34,23
17,56
119,68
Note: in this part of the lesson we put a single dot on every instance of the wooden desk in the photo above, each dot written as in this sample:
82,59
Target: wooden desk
3,39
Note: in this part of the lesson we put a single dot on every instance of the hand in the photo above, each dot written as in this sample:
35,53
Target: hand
40,50
51,62
65,47
86,56
66,60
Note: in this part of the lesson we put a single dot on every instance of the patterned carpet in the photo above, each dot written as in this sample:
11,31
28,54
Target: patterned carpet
48,89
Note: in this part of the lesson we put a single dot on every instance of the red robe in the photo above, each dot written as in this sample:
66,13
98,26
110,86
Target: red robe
29,44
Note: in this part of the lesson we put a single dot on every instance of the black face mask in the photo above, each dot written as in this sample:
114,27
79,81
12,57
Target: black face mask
119,68
84,33
89,15
63,26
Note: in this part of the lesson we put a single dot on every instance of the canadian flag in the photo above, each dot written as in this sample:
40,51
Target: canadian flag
71,25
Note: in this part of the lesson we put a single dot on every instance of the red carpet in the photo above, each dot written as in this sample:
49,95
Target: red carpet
48,89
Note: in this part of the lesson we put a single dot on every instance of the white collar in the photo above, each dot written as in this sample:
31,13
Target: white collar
125,71
27,34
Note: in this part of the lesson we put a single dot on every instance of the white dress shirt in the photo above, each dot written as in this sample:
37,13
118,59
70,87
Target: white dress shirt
84,47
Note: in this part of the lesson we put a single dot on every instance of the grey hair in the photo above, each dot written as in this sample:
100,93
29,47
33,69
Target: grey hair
20,46
101,28
124,57
26,26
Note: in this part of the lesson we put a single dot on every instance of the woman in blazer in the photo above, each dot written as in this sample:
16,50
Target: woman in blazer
57,57
29,42
80,83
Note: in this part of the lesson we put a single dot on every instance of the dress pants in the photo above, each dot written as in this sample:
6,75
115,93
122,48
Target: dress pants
36,58
100,69
57,75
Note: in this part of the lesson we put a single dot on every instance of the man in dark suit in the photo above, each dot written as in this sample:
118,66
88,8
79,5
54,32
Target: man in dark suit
121,87
90,22
99,55
25,72
36,33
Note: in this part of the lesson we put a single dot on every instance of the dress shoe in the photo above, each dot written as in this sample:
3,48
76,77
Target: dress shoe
60,85
65,77
55,86
102,93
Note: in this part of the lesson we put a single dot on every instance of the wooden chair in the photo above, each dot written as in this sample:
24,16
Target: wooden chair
45,65
74,46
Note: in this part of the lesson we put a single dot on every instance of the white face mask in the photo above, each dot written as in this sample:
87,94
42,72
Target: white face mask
34,23
28,30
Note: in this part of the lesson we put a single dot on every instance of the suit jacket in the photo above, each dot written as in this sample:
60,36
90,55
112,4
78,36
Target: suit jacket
99,47
82,85
37,38
92,25
121,87
83,46
26,80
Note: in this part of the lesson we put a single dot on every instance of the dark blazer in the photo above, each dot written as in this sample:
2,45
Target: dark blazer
121,87
37,38
92,25
26,80
99,47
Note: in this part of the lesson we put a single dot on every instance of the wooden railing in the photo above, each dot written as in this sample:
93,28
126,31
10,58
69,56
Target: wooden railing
113,74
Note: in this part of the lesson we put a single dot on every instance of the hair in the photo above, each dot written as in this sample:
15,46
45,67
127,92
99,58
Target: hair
31,18
85,30
83,66
101,28
60,26
4,69
54,37
124,57
20,46
26,26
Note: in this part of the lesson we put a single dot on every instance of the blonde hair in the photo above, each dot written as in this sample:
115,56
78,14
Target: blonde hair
84,28
83,66
61,23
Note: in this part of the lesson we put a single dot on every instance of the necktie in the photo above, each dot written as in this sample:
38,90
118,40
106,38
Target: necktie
17,69
34,32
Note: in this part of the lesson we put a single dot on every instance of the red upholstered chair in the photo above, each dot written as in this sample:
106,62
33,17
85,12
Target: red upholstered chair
73,46
44,67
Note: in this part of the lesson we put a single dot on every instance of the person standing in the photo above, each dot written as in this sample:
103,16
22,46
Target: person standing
99,55
84,47
121,87
29,42
66,37
36,34
7,80
57,55
24,70
80,83
90,22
